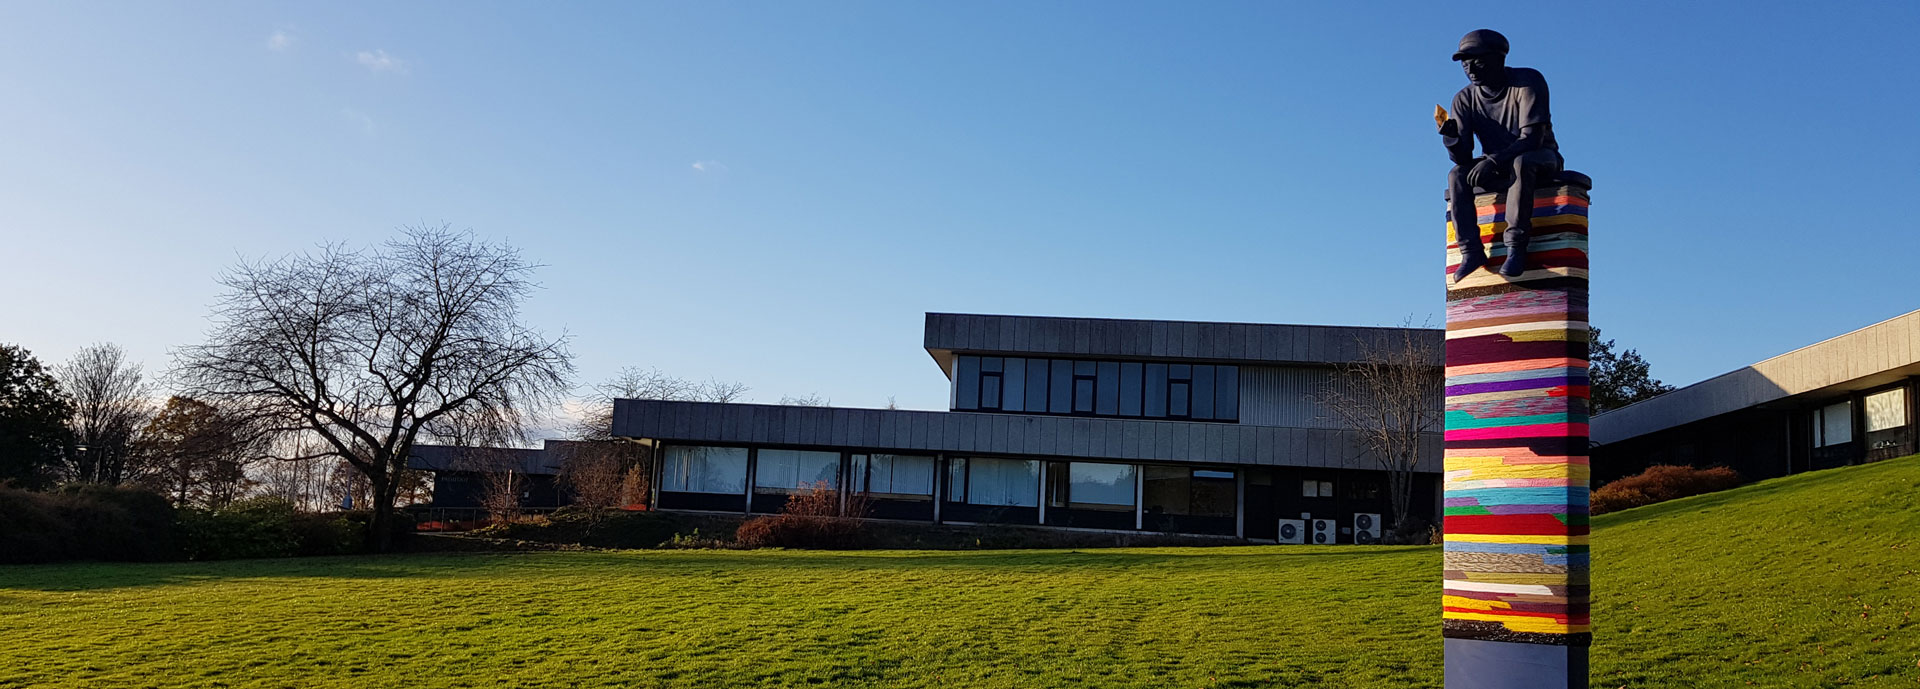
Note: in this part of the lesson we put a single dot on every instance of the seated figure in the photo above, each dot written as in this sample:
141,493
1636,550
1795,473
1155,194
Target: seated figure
1506,109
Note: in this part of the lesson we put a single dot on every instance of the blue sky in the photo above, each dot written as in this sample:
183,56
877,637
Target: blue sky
776,192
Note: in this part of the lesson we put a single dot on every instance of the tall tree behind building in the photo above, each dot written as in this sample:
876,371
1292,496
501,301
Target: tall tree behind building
1619,377
1392,399
33,420
110,404
368,350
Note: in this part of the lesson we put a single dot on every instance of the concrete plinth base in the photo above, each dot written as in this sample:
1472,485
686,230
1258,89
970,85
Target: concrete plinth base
1480,664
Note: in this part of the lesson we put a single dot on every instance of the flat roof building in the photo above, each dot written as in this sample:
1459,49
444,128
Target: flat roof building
1842,401
1128,425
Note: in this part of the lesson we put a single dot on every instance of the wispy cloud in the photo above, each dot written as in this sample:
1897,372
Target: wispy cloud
380,61
359,118
281,41
710,166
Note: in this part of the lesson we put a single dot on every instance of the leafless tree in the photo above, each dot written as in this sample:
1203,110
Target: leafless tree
646,384
1393,399
110,403
808,400
596,473
369,349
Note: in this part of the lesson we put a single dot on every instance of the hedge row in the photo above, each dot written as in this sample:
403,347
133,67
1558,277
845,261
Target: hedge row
129,525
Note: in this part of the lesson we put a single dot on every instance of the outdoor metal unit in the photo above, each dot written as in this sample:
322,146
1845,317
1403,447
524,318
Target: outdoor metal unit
1324,532
1293,531
1366,528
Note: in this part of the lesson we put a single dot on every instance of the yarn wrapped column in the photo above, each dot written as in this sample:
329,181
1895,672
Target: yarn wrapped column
1514,609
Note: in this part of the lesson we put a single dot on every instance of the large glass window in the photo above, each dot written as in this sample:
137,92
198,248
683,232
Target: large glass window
694,469
1886,410
1100,486
1833,424
1003,482
1181,491
899,475
785,471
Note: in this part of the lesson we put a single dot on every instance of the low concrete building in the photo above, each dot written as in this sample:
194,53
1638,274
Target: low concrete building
1842,401
1127,425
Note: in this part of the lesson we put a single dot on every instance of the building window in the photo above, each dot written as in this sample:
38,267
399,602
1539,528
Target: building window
1013,386
966,382
1083,386
1130,388
1316,489
1036,385
1097,486
1181,491
1003,482
904,476
1060,396
787,471
1833,424
1886,410
990,380
1156,391
693,469
956,480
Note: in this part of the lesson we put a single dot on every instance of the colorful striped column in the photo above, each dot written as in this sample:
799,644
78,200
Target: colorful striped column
1515,600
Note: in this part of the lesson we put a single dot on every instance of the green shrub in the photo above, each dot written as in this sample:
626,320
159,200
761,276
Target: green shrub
1660,484
328,534
254,527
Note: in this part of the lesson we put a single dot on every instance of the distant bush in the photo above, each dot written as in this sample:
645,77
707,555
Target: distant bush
1660,484
255,527
85,523
812,519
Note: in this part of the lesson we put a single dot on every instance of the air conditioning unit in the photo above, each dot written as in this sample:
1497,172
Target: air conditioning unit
1293,531
1366,528
1323,531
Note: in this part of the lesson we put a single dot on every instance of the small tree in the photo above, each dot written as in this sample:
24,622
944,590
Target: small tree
1391,399
596,474
1617,379
369,350
33,420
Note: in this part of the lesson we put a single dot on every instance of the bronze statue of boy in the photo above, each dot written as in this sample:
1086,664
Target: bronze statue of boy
1506,109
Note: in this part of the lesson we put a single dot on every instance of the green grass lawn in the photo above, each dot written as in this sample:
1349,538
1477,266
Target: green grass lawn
1811,581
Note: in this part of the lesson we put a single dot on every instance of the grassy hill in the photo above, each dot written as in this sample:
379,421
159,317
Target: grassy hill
1810,581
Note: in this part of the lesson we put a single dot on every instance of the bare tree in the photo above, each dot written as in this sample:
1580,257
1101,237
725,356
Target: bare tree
1392,398
110,403
808,400
646,384
368,350
501,481
597,473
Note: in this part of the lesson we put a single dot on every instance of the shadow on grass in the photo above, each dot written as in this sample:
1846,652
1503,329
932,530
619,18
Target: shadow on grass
697,563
